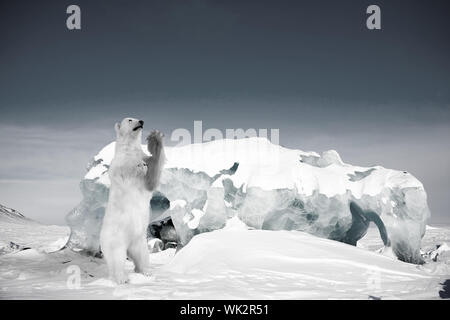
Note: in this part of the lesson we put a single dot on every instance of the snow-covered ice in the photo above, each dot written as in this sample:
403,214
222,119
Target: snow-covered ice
256,221
268,187
231,263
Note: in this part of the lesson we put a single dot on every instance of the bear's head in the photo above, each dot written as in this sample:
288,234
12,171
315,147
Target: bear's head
129,131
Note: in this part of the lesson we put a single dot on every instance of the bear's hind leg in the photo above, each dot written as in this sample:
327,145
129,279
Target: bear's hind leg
138,252
115,259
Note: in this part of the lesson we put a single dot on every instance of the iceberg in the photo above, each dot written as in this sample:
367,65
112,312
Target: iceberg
268,187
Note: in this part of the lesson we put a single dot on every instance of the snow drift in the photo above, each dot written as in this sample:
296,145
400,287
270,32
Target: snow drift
230,263
268,187
290,264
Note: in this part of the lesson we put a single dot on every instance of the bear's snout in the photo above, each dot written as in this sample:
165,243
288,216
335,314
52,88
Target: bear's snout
139,126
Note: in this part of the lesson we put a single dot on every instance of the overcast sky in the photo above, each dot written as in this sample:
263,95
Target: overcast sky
310,68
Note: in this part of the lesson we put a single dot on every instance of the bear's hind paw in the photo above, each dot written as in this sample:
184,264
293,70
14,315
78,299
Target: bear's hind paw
145,272
121,280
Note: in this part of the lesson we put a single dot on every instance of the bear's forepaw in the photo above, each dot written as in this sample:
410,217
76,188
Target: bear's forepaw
155,142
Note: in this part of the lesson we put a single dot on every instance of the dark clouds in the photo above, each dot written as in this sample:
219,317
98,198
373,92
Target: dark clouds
309,68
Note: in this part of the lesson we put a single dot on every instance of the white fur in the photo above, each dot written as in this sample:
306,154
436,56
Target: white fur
124,229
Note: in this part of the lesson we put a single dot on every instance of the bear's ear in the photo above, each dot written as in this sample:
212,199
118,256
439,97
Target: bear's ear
117,128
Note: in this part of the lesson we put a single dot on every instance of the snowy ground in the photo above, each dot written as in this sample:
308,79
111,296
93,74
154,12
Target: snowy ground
232,263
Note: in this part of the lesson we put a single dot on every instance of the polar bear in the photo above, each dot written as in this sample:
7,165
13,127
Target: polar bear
134,176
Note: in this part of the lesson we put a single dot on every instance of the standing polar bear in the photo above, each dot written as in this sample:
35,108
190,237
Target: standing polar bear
134,176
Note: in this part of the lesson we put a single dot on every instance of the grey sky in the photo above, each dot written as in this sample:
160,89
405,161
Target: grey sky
309,68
